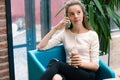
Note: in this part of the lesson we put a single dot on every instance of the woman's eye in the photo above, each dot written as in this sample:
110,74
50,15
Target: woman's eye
71,14
79,12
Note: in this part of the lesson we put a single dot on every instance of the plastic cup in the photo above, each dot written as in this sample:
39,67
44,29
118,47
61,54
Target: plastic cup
73,53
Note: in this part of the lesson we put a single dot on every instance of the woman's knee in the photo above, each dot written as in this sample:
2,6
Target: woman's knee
57,77
52,62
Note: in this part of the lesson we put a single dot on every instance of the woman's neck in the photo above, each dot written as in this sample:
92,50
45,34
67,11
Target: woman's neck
78,29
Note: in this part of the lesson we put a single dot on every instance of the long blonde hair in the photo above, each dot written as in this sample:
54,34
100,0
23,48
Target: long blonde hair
85,18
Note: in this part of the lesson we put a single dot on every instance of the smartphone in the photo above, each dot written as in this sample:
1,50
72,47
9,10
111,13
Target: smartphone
68,24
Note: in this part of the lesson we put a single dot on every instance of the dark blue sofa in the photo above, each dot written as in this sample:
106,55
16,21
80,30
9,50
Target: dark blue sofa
38,60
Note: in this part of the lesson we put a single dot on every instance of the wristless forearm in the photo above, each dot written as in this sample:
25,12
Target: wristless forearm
89,65
47,37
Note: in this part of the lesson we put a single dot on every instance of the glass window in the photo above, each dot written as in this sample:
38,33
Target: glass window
37,18
19,36
113,25
55,6
19,39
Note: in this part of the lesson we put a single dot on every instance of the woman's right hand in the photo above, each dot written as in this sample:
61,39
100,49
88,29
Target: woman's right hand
61,24
48,36
75,59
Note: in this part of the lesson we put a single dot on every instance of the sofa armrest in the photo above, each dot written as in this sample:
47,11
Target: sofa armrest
38,60
35,68
104,71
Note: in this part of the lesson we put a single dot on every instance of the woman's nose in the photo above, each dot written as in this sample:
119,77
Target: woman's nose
75,15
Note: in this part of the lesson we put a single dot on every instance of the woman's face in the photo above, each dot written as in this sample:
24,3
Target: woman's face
75,14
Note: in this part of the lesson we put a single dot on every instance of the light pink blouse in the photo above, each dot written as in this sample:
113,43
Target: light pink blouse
86,43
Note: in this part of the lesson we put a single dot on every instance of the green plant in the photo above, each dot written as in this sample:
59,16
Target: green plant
100,12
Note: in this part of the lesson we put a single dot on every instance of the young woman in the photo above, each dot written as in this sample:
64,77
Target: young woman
81,45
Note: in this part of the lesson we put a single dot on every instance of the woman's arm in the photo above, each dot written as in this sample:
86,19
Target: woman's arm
48,36
89,65
76,61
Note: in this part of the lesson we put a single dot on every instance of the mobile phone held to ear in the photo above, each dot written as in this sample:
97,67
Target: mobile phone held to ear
68,24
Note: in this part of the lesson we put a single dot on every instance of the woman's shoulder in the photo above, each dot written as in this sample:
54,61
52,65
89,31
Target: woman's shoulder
93,33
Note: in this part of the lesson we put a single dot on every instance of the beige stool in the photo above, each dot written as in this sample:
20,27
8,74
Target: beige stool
113,79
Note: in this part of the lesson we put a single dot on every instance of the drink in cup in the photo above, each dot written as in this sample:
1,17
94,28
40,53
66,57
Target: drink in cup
74,52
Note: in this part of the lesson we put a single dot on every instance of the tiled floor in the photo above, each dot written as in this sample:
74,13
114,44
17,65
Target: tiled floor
115,53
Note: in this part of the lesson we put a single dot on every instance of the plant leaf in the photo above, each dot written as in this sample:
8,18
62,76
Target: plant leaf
99,7
60,10
113,16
